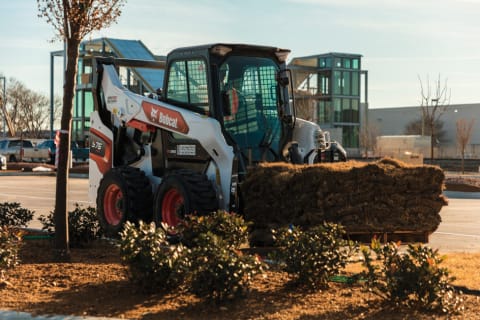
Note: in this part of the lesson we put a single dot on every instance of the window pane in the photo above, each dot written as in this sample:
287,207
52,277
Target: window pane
324,112
355,111
355,64
346,63
346,83
355,83
313,83
350,136
346,110
328,62
197,81
337,62
337,82
337,108
322,63
321,112
325,62
328,112
177,82
324,84
88,103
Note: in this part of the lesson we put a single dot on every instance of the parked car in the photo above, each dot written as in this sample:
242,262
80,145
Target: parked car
78,154
21,149
3,162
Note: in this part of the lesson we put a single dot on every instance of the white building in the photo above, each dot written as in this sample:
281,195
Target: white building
393,121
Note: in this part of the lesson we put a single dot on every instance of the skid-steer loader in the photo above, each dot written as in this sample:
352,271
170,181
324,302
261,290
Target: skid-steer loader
186,148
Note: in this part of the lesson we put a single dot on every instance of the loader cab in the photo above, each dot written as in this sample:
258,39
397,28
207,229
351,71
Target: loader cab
243,87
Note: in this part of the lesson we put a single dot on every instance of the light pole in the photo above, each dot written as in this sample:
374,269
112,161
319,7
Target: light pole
4,101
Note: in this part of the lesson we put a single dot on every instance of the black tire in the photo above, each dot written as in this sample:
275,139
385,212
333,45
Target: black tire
124,194
181,193
12,158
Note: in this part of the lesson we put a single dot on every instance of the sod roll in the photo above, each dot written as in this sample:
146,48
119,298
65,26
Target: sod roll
383,196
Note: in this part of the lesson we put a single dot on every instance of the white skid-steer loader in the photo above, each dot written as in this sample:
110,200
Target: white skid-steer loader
186,148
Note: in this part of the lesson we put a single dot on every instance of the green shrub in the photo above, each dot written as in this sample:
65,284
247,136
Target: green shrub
10,241
83,226
413,279
212,267
219,272
230,227
11,214
315,255
153,263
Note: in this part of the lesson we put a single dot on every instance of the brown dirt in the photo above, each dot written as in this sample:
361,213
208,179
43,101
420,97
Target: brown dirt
95,283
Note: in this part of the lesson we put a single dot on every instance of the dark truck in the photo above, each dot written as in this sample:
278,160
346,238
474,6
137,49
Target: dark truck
78,154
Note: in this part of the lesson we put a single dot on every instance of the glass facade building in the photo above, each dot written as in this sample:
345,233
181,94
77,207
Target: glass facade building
330,86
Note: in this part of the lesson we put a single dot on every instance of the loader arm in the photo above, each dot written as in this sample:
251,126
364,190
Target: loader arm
119,110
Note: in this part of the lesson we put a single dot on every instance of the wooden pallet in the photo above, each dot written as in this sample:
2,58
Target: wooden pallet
394,236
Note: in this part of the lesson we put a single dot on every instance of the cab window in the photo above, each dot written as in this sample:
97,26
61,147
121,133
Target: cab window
188,85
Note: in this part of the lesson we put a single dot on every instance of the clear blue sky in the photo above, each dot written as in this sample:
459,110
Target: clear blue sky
399,39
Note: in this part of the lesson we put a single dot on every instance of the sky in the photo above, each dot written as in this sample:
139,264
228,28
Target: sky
400,40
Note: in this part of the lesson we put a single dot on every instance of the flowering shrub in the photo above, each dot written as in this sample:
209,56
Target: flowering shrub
413,279
315,255
11,214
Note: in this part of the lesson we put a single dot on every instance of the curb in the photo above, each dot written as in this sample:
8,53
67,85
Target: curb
16,315
47,174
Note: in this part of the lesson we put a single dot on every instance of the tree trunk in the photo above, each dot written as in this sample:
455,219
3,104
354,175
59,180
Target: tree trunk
432,139
61,244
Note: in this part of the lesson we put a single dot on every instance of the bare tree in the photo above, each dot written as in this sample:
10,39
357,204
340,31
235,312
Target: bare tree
368,138
72,21
435,98
305,107
417,127
27,110
464,134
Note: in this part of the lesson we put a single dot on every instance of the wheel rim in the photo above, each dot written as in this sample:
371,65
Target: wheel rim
113,205
172,207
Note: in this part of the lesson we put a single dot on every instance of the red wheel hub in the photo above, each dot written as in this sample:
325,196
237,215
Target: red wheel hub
172,207
113,205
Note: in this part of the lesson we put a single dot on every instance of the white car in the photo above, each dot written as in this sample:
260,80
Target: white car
3,162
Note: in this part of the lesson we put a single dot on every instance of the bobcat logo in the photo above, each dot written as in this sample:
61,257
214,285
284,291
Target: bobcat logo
164,117
154,114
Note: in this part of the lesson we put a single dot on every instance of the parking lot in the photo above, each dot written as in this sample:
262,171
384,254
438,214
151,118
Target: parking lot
37,193
458,232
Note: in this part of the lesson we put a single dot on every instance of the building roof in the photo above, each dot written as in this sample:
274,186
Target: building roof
134,49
